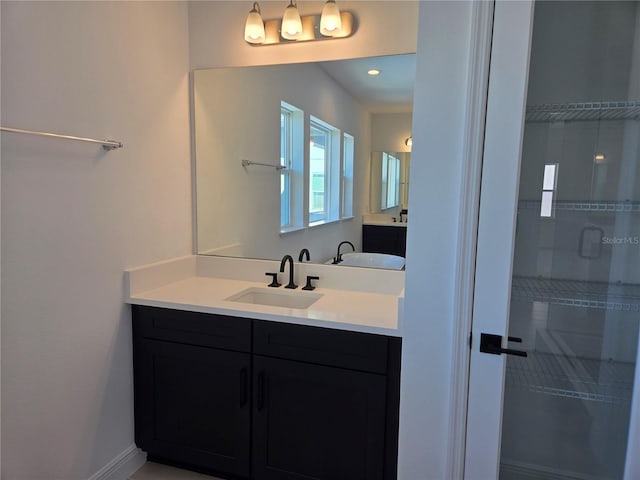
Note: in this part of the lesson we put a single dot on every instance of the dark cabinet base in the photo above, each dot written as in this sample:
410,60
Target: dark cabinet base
192,406
384,239
317,422
265,400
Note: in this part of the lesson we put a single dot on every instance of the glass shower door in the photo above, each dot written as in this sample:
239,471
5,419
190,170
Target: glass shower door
575,288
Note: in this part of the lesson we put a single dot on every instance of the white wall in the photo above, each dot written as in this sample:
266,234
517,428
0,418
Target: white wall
389,131
237,112
74,217
440,107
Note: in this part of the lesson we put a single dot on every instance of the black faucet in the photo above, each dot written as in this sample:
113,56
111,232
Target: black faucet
338,258
304,253
288,258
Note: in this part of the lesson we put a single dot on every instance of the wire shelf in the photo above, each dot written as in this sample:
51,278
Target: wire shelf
585,206
571,377
556,112
602,295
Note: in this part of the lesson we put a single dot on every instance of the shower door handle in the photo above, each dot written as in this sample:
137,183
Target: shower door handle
493,344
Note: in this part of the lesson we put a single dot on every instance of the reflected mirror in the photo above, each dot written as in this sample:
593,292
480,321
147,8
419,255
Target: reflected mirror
389,187
283,154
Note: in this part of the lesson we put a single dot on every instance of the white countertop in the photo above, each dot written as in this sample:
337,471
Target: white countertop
383,219
194,286
385,223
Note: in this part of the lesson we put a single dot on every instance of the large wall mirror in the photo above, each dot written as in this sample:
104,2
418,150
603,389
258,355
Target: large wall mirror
240,122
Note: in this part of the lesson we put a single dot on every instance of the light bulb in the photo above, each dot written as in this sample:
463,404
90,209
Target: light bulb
291,23
330,21
254,26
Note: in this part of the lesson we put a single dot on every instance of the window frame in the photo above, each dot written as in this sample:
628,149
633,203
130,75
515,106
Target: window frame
293,174
331,173
346,181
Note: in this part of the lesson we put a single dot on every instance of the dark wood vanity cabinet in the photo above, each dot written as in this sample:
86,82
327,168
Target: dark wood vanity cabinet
192,403
384,239
326,404
299,403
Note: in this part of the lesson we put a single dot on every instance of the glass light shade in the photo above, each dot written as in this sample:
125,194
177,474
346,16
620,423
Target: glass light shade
291,23
330,21
254,27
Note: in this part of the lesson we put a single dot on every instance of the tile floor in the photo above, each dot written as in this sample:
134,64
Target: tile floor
157,471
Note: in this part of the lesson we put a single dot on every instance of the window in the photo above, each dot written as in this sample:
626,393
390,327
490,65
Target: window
318,173
285,174
549,183
390,175
347,175
292,158
324,177
324,171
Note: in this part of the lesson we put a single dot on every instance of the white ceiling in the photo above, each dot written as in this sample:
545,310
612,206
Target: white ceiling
389,92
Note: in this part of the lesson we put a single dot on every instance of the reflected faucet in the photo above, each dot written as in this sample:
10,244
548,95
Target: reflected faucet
285,259
338,258
304,253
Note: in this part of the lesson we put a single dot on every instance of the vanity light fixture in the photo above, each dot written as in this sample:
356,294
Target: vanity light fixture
408,142
291,22
600,157
330,21
292,28
254,26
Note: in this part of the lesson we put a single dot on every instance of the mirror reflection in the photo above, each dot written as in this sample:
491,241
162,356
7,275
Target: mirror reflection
291,156
389,185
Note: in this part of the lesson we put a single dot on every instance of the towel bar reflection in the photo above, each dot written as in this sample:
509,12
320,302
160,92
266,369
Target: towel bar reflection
106,144
246,163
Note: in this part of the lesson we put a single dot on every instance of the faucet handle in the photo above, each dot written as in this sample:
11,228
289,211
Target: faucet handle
274,281
309,286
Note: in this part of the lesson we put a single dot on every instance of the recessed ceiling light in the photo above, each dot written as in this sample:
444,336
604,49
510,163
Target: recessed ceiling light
373,72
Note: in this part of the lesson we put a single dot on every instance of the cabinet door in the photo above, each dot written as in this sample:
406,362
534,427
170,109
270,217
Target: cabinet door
317,422
402,241
192,405
376,239
382,239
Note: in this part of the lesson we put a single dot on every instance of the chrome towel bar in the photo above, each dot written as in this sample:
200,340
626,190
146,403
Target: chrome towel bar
106,144
246,163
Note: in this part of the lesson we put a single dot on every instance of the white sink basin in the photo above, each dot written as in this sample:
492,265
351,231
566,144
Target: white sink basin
275,298
374,260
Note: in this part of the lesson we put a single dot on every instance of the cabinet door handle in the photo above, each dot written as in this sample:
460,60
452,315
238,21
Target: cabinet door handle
261,382
244,389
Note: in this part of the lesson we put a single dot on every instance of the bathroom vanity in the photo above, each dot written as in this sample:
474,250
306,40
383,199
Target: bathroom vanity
264,392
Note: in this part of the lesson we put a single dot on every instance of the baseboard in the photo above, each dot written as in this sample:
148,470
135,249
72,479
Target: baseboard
122,466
